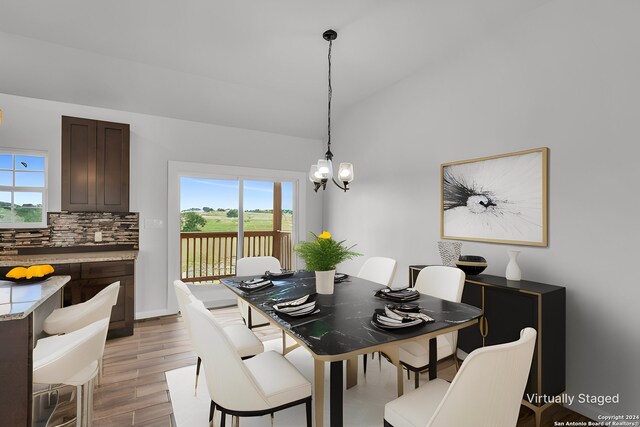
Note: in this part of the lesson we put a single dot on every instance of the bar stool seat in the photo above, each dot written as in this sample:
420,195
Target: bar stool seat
72,359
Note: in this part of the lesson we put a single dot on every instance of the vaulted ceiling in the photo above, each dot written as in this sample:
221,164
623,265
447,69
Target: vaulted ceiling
252,64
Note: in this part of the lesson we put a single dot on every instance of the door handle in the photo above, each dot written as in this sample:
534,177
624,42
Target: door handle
485,329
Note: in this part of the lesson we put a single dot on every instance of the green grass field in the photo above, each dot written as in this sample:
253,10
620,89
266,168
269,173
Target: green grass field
219,222
253,221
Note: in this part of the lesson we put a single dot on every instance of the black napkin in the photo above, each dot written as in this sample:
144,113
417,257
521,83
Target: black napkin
398,295
283,274
254,285
298,307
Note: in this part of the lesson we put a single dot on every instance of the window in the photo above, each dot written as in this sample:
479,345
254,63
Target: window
23,189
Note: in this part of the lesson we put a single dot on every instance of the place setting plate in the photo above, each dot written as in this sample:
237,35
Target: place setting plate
298,307
255,284
399,316
398,295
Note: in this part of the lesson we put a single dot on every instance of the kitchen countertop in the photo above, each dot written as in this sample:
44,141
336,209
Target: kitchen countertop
64,258
17,301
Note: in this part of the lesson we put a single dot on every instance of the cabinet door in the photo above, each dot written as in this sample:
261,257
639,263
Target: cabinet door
122,312
78,164
470,338
112,170
507,313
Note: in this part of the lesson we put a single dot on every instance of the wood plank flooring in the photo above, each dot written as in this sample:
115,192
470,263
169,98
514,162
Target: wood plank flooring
134,390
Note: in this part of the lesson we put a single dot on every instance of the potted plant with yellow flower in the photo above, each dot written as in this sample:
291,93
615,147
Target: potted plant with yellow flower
322,255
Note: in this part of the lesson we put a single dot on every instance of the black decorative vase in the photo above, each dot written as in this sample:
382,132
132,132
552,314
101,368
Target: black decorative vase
471,264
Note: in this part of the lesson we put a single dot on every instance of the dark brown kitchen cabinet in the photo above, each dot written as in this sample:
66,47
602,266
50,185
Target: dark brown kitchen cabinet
89,278
95,165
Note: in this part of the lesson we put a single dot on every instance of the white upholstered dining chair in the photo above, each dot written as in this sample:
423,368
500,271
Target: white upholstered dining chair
262,385
255,266
246,343
379,270
486,391
444,283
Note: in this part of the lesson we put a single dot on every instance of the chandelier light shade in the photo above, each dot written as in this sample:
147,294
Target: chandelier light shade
322,172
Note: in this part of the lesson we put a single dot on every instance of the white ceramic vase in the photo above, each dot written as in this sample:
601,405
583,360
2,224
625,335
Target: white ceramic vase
324,282
513,269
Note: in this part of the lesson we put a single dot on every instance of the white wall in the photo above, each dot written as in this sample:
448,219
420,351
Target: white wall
36,124
566,77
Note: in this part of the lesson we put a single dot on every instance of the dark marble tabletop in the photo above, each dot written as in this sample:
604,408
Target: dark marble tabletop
343,322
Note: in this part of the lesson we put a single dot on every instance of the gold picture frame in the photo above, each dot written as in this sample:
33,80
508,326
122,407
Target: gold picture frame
496,199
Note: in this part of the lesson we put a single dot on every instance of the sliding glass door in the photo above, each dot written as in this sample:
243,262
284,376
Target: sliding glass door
222,220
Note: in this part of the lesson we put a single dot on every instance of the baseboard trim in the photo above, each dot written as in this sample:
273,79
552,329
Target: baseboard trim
153,313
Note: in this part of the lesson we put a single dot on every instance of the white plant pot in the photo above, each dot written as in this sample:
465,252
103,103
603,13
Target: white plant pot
513,269
324,282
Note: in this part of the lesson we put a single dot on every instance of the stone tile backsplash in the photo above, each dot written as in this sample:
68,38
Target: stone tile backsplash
69,229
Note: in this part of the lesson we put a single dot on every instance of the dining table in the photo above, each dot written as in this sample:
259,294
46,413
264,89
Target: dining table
342,328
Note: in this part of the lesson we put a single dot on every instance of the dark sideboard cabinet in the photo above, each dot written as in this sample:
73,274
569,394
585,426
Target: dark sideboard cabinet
508,307
95,165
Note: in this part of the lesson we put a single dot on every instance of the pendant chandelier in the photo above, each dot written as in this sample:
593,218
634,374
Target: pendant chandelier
321,172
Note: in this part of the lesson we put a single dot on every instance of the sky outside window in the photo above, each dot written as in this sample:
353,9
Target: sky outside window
196,193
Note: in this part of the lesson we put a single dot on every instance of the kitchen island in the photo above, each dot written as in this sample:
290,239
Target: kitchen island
23,308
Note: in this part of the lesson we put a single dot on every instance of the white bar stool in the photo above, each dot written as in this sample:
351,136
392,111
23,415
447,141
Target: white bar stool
68,319
72,359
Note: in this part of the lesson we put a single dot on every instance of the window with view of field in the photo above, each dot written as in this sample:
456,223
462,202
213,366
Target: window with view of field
23,186
210,234
216,202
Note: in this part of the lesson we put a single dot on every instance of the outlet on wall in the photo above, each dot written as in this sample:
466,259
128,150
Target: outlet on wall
97,237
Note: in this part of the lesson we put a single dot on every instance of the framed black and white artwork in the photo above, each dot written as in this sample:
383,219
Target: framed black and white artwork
499,199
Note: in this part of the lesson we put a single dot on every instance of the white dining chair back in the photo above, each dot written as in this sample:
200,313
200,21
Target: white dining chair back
233,386
379,270
246,343
486,391
184,297
255,266
489,385
441,282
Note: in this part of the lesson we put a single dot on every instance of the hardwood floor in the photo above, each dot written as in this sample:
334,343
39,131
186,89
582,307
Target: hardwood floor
134,390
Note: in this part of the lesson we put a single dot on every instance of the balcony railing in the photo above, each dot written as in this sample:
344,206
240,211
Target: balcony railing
211,256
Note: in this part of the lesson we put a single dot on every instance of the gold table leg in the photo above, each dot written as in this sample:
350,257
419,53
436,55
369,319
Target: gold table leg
318,391
352,372
392,353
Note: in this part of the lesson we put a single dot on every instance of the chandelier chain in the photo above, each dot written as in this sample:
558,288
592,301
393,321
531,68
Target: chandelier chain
329,102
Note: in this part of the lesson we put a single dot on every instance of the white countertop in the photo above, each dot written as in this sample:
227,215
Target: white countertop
70,258
17,301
